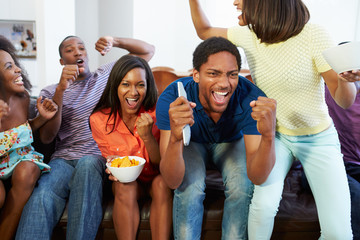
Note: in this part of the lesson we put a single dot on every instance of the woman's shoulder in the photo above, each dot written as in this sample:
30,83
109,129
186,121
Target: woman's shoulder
314,29
318,37
100,115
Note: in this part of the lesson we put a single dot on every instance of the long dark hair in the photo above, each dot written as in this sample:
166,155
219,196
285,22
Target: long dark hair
275,21
110,99
8,47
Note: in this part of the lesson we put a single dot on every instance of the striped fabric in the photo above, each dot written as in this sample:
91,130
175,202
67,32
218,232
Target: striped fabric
74,139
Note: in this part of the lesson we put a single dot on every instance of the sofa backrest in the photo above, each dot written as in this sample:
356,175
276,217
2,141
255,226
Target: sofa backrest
163,77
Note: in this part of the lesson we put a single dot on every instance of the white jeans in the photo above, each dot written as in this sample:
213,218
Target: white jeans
323,164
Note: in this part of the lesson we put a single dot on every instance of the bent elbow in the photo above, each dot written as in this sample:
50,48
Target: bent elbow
172,179
347,105
173,185
205,32
259,177
258,181
171,182
201,35
46,139
151,51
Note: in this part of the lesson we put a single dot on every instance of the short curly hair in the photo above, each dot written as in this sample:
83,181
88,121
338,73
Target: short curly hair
212,46
61,46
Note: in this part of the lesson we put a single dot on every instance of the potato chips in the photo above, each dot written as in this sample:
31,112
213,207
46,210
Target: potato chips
124,162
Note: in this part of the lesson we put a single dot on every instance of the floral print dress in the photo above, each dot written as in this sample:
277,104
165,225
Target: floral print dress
15,146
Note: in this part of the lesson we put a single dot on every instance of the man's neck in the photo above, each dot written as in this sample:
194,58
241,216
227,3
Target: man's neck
213,115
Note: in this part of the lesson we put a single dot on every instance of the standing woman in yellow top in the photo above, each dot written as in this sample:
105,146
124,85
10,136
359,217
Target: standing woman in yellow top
123,123
284,52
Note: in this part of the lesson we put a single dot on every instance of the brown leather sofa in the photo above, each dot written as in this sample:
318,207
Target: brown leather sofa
295,220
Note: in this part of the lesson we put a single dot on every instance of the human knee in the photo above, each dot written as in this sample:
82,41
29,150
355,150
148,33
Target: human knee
92,164
126,193
195,183
160,189
25,175
264,207
192,193
238,186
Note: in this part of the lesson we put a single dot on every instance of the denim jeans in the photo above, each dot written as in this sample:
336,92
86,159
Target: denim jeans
323,164
78,181
188,209
353,174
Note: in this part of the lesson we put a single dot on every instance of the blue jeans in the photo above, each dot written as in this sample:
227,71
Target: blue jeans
323,164
188,209
353,174
78,181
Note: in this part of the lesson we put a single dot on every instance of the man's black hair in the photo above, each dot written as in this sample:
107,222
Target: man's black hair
211,46
62,43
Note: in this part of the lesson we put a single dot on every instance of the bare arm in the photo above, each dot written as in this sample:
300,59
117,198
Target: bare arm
260,155
133,46
4,110
172,165
144,127
201,23
342,91
352,76
47,110
260,150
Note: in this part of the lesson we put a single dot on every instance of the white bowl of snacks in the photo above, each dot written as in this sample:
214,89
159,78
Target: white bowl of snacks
343,57
127,168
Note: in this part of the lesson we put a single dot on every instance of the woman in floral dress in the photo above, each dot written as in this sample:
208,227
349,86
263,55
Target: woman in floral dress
20,165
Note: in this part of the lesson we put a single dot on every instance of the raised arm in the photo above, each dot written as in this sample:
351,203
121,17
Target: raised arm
341,90
133,46
201,23
50,129
260,150
4,110
144,126
47,110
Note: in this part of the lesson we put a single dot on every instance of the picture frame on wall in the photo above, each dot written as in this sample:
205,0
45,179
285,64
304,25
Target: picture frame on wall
22,34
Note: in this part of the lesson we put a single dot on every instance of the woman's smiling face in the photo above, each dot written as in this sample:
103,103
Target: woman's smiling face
10,74
239,4
132,91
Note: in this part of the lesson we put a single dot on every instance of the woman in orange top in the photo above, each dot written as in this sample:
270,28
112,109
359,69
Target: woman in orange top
122,123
